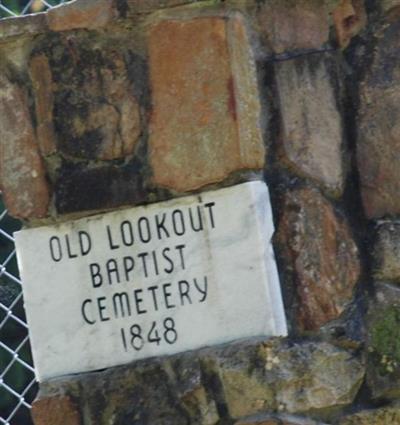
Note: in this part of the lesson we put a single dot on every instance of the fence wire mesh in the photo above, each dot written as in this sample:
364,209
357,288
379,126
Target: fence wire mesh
17,378
18,385
10,8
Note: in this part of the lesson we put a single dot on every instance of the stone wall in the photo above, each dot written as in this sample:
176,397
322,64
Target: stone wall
105,104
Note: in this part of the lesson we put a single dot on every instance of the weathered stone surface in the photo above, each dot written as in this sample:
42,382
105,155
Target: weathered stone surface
22,175
89,97
278,420
279,376
140,6
311,134
387,252
320,256
56,410
388,5
378,145
22,25
154,392
40,74
349,18
291,25
383,416
215,385
205,102
86,14
383,320
83,189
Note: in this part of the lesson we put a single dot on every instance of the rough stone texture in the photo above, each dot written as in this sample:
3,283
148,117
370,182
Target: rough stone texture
383,322
205,69
41,77
219,384
386,252
311,134
320,256
81,14
290,25
93,106
388,5
378,145
152,392
383,416
22,175
56,410
83,189
349,18
278,420
283,420
287,377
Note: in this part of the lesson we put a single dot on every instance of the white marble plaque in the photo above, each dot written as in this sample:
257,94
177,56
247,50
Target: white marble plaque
150,281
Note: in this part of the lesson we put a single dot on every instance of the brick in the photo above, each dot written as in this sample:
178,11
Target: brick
82,14
349,18
320,257
311,131
290,25
56,410
205,120
40,74
378,142
22,174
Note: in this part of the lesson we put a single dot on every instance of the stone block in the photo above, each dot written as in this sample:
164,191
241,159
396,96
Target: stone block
388,5
387,252
82,14
311,130
292,25
320,257
383,416
40,74
22,175
383,343
350,18
205,119
293,378
378,144
56,410
216,385
100,188
86,104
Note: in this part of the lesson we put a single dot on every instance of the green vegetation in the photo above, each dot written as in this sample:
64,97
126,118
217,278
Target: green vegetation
385,339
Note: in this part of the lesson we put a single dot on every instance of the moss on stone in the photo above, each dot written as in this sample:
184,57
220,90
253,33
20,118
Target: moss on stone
385,339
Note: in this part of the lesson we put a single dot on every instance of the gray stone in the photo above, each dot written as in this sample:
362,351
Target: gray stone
383,325
311,136
378,144
387,252
292,378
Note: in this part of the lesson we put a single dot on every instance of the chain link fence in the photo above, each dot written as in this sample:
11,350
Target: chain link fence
18,385
10,8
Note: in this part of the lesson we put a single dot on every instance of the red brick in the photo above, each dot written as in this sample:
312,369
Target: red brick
205,120
57,410
24,184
